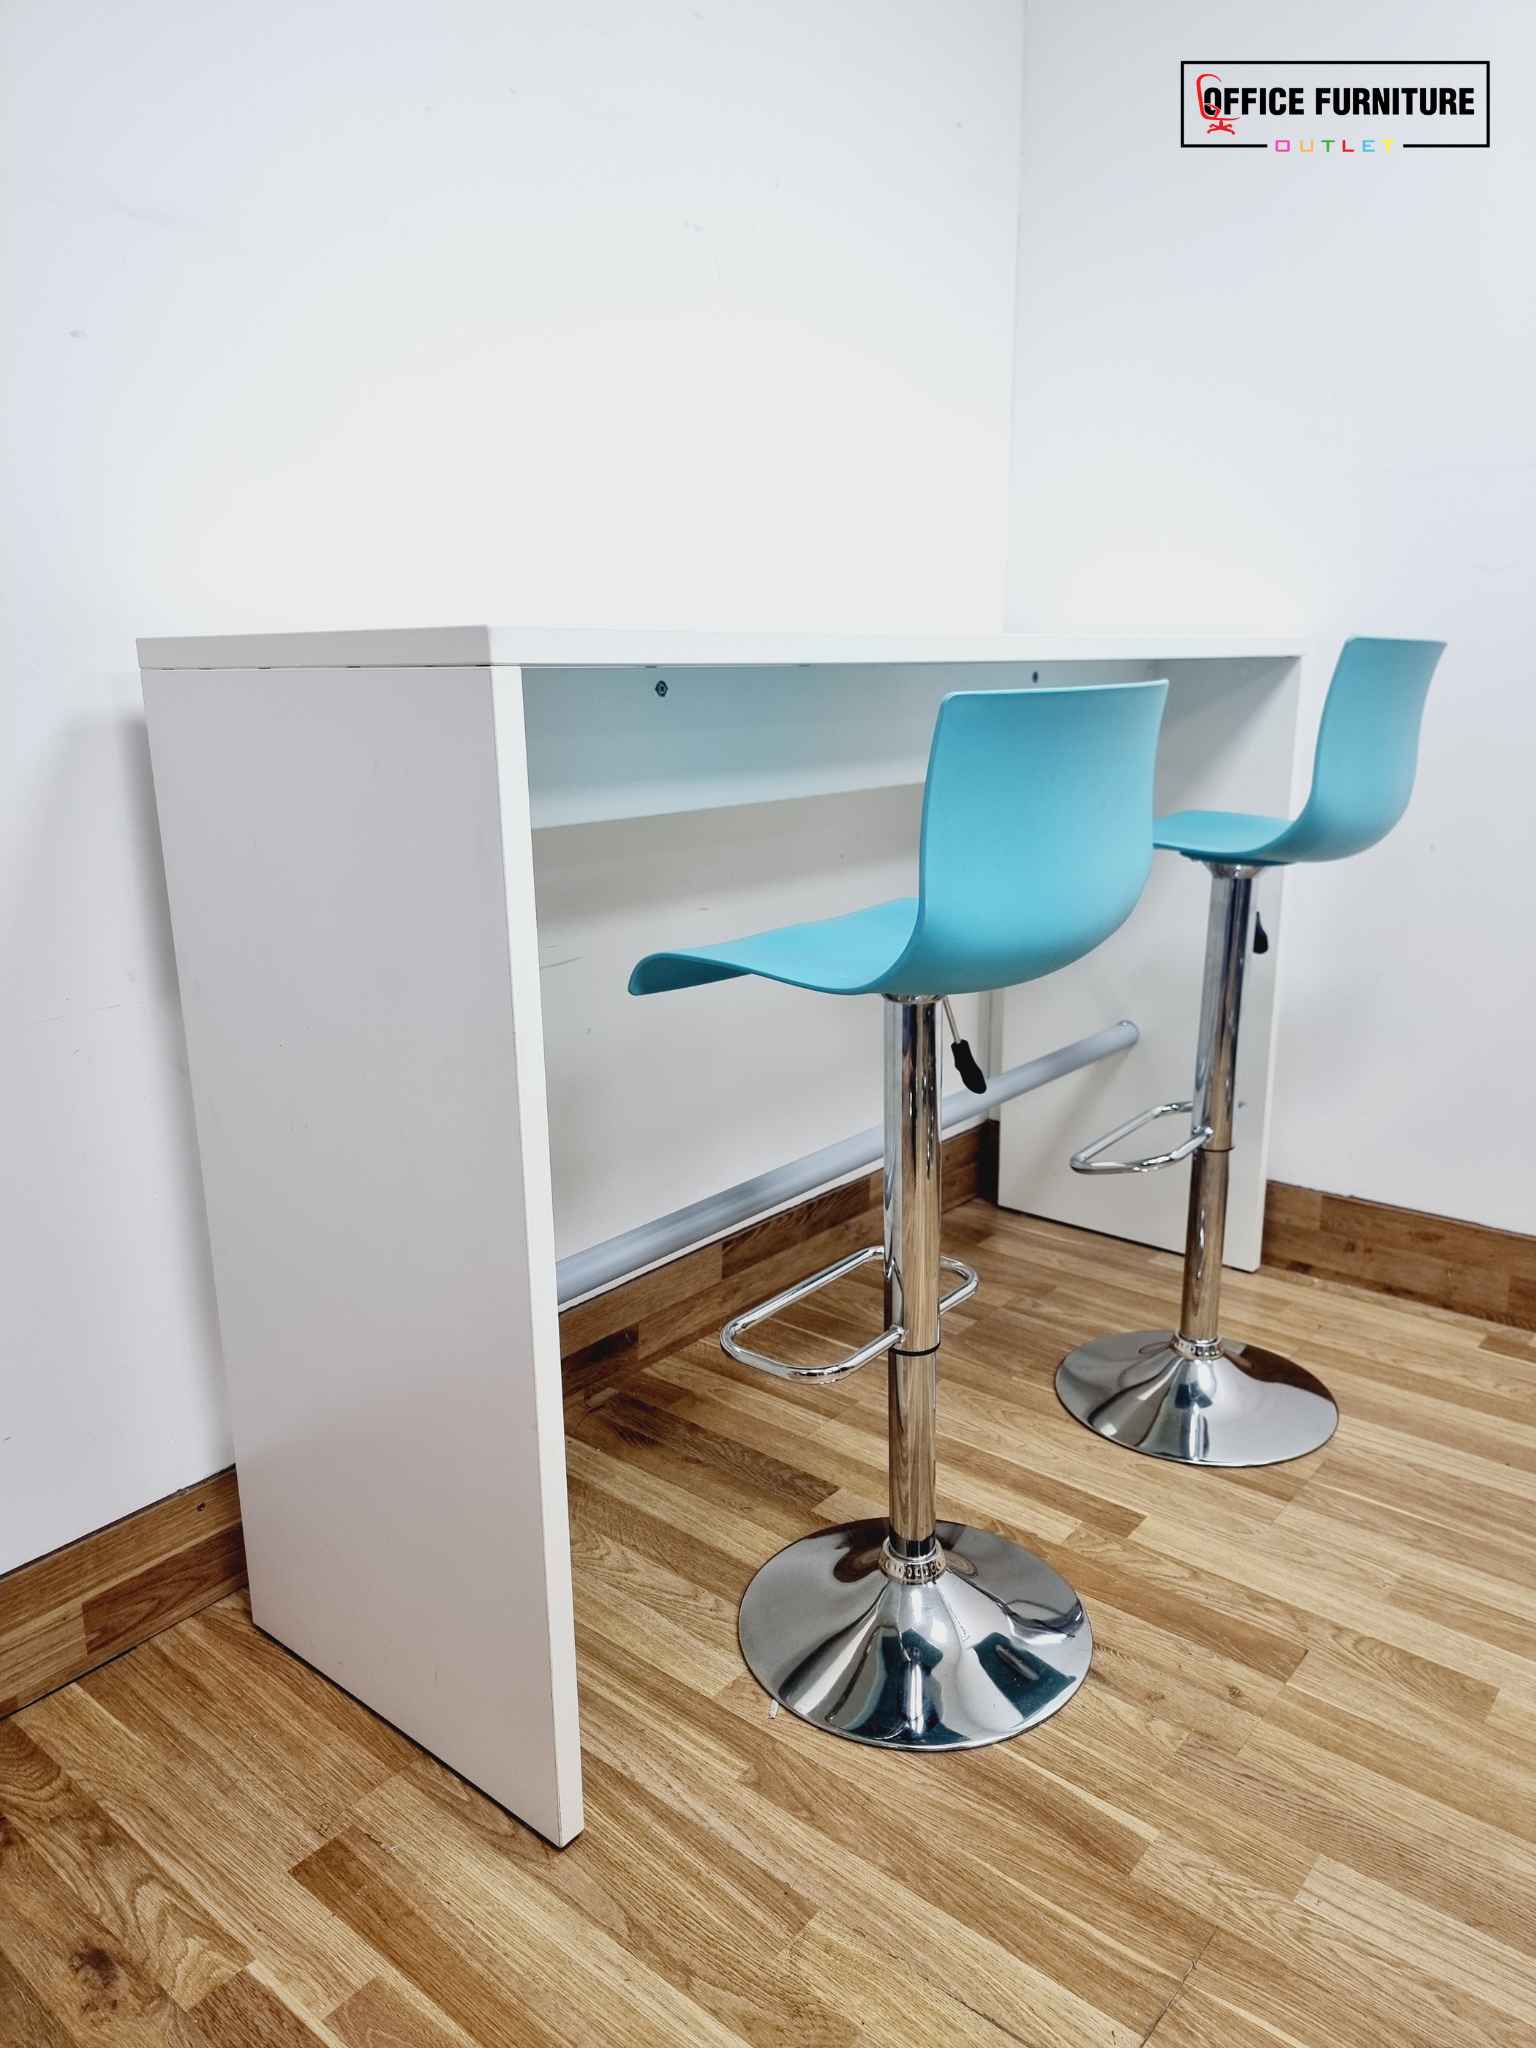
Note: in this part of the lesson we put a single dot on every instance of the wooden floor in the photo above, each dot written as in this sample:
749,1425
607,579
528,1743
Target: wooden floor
1296,1802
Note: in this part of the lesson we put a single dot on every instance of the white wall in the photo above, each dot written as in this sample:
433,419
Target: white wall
1274,391
374,313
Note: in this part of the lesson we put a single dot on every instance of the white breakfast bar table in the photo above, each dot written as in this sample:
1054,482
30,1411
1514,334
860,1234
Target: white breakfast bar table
408,871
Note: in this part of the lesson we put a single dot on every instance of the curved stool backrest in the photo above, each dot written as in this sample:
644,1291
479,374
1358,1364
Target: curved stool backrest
1037,832
1367,749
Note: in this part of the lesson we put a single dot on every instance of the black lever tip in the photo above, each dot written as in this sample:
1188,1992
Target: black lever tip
966,1067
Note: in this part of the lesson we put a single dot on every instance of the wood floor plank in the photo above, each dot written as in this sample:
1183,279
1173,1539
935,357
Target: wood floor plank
885,1890
1345,1658
1467,1532
381,2016
1467,1868
749,1531
1368,1601
1197,2020
310,1784
73,1965
906,1998
245,2013
145,1695
1411,1693
858,1448
1452,1950
434,1954
1475,1384
1477,1469
504,1921
1226,1897
686,1629
1191,1609
302,1709
1515,1721
211,1848
728,1469
184,1950
25,2022
673,1897
599,1516
1399,1548
1321,1986
1460,1764
1027,1847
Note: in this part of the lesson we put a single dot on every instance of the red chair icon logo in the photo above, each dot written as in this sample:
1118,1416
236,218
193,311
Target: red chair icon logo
1217,123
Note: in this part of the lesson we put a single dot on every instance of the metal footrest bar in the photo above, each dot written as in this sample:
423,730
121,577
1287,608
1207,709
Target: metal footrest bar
838,1368
730,1336
1089,1160
968,1284
583,1273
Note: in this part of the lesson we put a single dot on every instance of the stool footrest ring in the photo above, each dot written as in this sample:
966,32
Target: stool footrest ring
838,1368
1089,1160
968,1284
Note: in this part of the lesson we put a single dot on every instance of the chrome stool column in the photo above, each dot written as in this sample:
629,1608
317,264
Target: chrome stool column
1190,1394
909,1632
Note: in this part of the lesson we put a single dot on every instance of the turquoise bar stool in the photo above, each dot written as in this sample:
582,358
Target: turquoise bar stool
1036,841
1190,1394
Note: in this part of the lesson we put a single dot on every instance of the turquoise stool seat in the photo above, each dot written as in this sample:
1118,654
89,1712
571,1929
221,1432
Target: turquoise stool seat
837,956
1362,771
1035,846
1189,1394
1219,835
910,1632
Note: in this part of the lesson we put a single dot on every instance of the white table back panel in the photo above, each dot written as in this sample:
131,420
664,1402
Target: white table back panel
637,742
348,856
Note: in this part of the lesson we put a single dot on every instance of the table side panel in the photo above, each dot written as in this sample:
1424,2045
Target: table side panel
350,882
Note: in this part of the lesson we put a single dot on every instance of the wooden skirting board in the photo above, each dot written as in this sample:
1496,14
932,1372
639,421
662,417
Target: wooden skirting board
78,1607
1434,1259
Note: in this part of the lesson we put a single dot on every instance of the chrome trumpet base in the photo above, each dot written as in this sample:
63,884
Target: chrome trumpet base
871,1648
1197,1404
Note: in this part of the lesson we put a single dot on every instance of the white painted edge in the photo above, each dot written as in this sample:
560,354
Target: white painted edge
506,704
645,647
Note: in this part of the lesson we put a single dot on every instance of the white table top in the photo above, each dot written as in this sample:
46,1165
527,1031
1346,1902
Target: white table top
656,647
